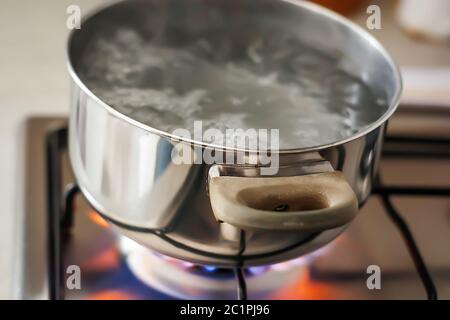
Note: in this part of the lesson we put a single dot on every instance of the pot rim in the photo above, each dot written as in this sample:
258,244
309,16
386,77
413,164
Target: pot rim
393,104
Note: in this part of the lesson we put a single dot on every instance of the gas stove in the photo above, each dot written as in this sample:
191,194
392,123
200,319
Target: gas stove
403,230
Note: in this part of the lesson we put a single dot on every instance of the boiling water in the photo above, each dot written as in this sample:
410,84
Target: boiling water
277,83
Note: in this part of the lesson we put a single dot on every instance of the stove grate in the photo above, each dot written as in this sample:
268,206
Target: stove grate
60,206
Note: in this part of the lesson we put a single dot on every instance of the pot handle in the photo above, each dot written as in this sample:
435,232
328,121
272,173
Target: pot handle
311,202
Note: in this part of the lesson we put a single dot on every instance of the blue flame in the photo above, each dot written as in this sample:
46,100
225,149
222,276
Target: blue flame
209,268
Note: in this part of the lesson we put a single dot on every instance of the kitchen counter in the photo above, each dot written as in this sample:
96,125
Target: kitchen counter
33,81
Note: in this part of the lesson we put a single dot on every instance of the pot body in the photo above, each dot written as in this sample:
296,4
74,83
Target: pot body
127,174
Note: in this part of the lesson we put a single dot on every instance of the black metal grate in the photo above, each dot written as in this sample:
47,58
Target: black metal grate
407,148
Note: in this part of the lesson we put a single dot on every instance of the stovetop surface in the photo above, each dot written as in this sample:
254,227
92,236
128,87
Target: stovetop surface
109,263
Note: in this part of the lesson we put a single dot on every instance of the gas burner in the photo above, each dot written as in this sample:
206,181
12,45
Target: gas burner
185,280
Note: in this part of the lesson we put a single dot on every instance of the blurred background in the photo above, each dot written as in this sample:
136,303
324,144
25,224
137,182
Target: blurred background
34,79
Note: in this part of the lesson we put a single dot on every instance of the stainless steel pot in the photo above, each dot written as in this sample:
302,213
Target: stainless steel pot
226,214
